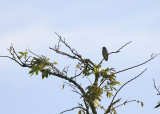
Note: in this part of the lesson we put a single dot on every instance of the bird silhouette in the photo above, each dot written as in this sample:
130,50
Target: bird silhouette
105,53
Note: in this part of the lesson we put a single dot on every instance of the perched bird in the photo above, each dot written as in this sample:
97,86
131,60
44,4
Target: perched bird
105,53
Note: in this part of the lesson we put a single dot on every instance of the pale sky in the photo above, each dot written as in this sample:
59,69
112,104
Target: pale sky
87,26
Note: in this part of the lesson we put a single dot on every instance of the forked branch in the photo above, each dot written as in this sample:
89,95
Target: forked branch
73,51
119,50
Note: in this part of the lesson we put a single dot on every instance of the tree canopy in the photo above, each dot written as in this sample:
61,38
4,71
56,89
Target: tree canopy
105,81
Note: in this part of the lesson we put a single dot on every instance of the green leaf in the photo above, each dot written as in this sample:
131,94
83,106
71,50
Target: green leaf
44,75
10,49
21,53
31,72
79,112
114,88
142,104
99,99
32,61
99,66
63,87
77,66
55,63
83,111
110,94
36,73
96,69
119,83
19,57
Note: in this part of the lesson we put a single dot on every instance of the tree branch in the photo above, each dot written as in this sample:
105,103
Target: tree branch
156,87
73,87
15,57
120,48
76,75
123,86
137,65
125,103
73,51
73,109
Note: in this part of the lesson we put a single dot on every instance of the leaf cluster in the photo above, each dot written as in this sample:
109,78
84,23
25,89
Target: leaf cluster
43,65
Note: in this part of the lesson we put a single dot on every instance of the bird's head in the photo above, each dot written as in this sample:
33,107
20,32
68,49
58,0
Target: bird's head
104,48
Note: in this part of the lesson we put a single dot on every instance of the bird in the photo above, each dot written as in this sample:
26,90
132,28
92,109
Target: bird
105,53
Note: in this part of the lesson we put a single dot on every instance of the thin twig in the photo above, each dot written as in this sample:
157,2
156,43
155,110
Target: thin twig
73,86
74,52
137,65
77,92
12,59
78,74
7,57
73,109
34,53
89,80
120,48
156,87
125,103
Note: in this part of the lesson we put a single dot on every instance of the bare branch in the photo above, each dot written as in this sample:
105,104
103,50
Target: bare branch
120,48
15,53
73,87
156,87
65,70
77,92
78,74
14,56
34,53
89,80
137,65
124,85
125,103
75,55
73,109
73,51
27,60
70,80
7,57
12,59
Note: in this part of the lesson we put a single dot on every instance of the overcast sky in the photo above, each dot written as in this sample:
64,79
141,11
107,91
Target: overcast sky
87,26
